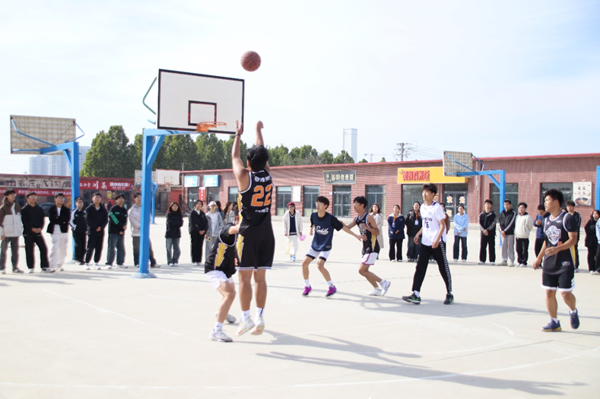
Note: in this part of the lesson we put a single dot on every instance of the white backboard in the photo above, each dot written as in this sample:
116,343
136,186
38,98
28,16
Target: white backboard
185,99
456,161
51,130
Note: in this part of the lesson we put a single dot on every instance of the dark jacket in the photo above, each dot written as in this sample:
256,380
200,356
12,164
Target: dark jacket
77,221
487,221
55,219
117,219
577,217
197,222
96,218
32,217
174,223
507,221
411,228
591,241
396,227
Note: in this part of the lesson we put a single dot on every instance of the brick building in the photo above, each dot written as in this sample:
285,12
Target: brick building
389,183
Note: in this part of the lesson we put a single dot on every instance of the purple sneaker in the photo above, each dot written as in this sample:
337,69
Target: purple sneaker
306,291
332,290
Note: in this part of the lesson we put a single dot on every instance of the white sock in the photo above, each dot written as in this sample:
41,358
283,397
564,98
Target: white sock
306,283
417,294
555,320
573,311
218,326
330,283
259,312
246,314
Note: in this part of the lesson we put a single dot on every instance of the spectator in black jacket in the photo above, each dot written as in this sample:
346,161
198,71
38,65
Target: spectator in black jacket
32,216
413,225
197,225
117,224
96,218
577,217
58,228
591,240
79,228
396,224
487,225
507,220
173,234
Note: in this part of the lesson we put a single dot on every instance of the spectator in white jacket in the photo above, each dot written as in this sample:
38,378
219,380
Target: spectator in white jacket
11,228
135,219
292,229
523,227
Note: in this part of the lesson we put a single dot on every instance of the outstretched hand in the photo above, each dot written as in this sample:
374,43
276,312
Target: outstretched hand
239,128
259,125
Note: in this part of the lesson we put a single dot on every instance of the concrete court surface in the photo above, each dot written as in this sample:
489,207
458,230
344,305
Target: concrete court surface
102,334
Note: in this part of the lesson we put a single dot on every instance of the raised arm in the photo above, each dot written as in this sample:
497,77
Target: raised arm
259,138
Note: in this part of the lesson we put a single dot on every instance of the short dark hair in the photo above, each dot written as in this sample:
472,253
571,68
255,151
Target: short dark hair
507,201
200,201
97,194
556,195
78,199
257,157
29,194
397,205
488,201
541,208
136,195
570,202
323,200
524,204
9,192
59,195
361,200
119,196
430,187
461,206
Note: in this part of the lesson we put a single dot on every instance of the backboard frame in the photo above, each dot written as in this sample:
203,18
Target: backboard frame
455,162
29,135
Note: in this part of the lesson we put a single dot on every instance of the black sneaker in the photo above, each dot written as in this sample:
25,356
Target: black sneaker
449,299
412,299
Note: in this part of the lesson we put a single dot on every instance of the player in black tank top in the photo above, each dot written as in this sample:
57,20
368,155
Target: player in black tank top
256,241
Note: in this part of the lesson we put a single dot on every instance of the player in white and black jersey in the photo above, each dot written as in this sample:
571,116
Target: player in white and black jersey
370,251
432,245
256,241
558,258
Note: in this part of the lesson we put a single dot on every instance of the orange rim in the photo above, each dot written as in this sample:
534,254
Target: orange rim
204,127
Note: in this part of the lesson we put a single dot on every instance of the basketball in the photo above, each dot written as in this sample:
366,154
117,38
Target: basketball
250,61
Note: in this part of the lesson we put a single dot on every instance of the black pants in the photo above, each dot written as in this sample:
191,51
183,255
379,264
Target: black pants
539,243
396,248
80,240
522,250
94,246
439,254
487,241
413,249
196,247
592,256
30,242
136,251
462,241
577,255
598,259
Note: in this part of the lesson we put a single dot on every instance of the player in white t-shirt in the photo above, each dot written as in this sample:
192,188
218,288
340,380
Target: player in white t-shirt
432,245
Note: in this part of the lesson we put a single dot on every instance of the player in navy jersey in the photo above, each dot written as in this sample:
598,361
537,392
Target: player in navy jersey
433,244
256,241
370,251
322,224
558,258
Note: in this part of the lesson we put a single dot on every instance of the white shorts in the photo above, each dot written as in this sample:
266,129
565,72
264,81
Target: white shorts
216,277
316,254
369,259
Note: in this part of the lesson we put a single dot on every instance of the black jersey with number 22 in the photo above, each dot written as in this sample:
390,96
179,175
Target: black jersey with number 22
256,200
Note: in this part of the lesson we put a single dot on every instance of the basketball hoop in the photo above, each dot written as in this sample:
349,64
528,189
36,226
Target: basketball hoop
203,127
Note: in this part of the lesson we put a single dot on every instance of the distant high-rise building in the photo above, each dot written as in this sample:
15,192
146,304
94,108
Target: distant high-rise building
350,140
54,165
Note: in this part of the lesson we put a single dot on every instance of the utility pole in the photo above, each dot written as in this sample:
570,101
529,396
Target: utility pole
403,150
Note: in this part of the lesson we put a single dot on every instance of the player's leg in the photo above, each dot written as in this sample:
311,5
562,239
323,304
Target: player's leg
323,270
245,289
566,284
551,303
550,284
226,288
260,282
305,272
439,254
321,265
419,276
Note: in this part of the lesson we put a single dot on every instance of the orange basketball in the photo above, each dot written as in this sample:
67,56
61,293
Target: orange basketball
250,61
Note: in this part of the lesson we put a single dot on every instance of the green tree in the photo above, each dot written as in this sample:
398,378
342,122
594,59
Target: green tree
137,150
363,161
325,158
383,160
228,145
343,157
109,155
180,149
278,156
211,152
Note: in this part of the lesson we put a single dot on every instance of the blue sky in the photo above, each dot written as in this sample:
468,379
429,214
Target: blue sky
490,77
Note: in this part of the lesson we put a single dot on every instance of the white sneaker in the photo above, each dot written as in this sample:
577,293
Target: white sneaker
30,271
464,260
259,328
97,266
245,326
88,266
108,267
385,286
61,269
399,260
219,335
481,263
230,318
595,272
171,265
456,260
375,292
3,271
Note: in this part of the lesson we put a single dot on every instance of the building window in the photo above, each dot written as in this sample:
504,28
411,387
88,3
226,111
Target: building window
342,201
566,188
455,194
310,197
376,195
284,195
411,193
192,197
512,194
232,195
